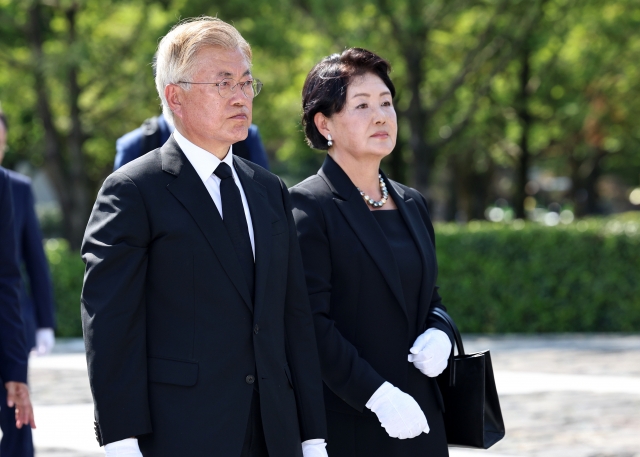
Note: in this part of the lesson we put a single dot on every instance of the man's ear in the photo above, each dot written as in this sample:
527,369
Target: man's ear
323,124
173,93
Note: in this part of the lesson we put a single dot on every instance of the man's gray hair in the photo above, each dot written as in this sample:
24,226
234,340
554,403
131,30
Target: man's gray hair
176,56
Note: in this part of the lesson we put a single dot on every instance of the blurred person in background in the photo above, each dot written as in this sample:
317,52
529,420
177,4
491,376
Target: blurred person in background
16,412
36,290
155,132
195,314
369,256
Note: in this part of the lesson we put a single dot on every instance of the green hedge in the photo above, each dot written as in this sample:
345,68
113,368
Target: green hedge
502,278
494,278
67,271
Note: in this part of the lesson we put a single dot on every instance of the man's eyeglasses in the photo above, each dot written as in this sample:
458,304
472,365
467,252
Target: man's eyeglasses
228,86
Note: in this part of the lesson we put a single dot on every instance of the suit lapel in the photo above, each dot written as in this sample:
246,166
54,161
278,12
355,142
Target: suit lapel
359,217
190,191
261,218
411,215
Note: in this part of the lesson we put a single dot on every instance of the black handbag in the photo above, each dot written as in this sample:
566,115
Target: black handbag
472,415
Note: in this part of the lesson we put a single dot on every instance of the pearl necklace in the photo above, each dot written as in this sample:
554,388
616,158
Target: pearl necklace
371,201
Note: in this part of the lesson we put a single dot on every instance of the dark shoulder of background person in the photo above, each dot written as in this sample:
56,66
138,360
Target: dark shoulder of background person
152,134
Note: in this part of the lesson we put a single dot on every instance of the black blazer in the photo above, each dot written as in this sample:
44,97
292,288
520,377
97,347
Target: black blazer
36,303
13,349
173,338
360,317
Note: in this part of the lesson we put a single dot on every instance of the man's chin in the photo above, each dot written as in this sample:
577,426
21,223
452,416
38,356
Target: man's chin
240,134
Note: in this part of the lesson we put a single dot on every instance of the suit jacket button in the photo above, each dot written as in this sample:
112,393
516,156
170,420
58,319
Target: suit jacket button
250,379
256,329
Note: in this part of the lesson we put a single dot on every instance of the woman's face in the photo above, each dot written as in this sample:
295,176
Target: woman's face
367,125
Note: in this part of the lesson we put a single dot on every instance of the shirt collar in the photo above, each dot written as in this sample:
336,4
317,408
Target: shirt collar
203,161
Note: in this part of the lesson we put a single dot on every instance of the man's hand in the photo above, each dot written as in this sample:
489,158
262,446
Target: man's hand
314,448
18,396
45,340
430,352
398,412
123,448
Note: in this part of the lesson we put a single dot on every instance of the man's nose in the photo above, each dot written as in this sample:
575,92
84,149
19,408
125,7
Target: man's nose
238,97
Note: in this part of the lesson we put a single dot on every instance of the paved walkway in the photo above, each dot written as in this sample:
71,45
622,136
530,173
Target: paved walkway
561,396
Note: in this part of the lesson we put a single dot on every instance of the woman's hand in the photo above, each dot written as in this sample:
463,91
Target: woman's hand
398,412
430,352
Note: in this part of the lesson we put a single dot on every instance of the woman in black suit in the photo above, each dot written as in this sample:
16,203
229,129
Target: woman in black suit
369,257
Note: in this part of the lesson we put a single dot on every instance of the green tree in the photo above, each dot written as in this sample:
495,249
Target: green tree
446,54
77,72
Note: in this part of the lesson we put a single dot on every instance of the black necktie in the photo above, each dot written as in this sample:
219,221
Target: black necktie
235,221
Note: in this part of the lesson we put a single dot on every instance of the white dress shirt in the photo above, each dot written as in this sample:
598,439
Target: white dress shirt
205,164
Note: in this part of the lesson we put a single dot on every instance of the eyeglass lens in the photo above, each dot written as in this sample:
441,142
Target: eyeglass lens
249,88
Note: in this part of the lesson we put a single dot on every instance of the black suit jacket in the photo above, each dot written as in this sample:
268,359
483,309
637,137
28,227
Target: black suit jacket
171,333
36,294
364,334
13,350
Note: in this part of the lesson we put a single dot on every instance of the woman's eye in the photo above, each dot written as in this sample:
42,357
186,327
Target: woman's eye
386,103
363,105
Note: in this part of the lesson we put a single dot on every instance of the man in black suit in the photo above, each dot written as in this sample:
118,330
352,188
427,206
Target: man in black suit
13,352
197,325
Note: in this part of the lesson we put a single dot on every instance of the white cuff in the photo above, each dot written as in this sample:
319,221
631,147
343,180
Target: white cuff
314,448
123,448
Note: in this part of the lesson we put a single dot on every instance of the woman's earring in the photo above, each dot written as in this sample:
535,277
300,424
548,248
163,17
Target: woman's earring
329,140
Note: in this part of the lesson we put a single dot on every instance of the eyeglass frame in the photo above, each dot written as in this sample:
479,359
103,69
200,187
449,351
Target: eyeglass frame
255,84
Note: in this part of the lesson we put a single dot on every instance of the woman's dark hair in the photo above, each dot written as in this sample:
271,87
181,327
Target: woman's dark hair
325,89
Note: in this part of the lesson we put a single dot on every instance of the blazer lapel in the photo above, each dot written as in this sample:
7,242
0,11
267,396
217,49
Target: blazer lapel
355,211
189,189
261,217
411,215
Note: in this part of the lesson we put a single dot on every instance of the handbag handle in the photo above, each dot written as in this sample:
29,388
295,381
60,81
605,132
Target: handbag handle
442,314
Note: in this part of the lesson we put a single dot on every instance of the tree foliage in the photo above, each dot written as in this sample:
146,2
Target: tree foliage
487,89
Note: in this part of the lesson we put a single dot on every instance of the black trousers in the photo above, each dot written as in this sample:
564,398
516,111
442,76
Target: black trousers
255,444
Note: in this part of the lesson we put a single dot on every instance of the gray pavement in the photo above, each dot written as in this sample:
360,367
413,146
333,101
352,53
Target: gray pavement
561,396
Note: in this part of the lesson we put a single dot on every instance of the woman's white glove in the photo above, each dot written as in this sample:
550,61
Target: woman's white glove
314,448
430,352
123,448
398,412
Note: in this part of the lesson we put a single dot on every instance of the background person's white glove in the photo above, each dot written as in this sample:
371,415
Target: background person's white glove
398,412
314,448
430,352
123,448
45,340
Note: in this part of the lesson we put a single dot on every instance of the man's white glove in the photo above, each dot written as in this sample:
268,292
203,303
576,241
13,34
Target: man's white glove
398,412
314,448
430,352
123,448
45,340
